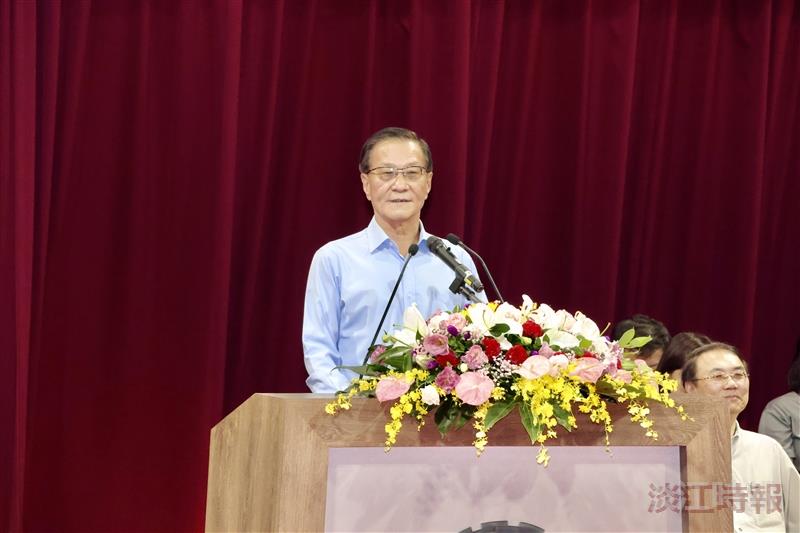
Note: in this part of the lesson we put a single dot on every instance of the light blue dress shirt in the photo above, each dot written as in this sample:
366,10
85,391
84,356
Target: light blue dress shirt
349,284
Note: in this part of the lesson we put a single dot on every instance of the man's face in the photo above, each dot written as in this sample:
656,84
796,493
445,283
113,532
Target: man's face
400,199
717,363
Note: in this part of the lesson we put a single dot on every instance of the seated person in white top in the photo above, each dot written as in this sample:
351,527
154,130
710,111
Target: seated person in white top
758,462
351,279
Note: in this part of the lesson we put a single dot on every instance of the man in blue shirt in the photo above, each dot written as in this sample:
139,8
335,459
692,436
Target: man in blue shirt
351,279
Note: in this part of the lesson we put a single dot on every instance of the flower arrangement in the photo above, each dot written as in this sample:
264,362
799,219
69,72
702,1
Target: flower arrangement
479,363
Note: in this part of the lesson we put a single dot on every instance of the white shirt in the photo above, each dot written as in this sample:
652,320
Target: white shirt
759,466
349,284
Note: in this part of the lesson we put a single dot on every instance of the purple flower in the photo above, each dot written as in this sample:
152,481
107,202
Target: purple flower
435,344
447,379
475,357
452,330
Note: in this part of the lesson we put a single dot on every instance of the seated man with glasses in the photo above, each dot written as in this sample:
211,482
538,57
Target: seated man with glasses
351,279
765,491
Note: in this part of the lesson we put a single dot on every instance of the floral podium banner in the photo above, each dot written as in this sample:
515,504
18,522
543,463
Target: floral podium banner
446,489
478,364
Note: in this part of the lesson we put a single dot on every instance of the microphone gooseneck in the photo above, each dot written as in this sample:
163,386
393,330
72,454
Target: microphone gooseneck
453,238
412,250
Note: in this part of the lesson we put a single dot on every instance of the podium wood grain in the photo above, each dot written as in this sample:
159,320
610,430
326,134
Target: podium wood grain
269,458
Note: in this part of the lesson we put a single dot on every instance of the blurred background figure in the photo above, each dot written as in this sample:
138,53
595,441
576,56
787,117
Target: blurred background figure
677,351
781,417
645,326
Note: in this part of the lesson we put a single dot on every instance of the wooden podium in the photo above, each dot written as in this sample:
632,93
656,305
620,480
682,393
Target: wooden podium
268,466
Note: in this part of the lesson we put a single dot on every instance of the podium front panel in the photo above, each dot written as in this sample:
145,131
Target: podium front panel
584,488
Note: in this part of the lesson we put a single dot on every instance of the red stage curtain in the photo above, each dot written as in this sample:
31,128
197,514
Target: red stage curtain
167,169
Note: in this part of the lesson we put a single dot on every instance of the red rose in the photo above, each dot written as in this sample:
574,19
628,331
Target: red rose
491,347
449,357
587,353
531,329
517,354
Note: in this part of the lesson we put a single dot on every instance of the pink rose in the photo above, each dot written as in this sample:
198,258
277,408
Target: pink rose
391,388
456,320
435,344
546,351
475,357
589,369
375,356
447,379
474,388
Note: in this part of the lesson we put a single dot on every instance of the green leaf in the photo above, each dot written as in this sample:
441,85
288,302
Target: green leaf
528,422
626,337
449,416
365,370
499,329
584,344
604,388
516,339
638,342
562,415
458,344
498,411
397,357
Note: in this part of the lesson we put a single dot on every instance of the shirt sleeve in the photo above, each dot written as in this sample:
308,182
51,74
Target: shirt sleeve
321,314
777,423
790,482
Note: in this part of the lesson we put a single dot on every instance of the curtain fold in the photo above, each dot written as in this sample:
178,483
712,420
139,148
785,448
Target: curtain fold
167,170
18,190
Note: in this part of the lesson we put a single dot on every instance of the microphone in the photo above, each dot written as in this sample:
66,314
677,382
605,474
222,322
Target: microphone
453,238
436,245
412,251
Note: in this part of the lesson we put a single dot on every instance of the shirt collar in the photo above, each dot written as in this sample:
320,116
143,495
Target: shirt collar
376,237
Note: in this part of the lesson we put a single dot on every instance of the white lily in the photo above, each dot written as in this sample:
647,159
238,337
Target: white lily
546,317
562,339
484,319
413,323
481,317
585,327
601,346
565,320
528,307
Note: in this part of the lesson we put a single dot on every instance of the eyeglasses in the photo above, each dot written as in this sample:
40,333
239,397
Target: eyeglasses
386,174
720,378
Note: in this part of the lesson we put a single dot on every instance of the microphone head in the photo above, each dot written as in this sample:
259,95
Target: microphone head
413,249
453,238
434,242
